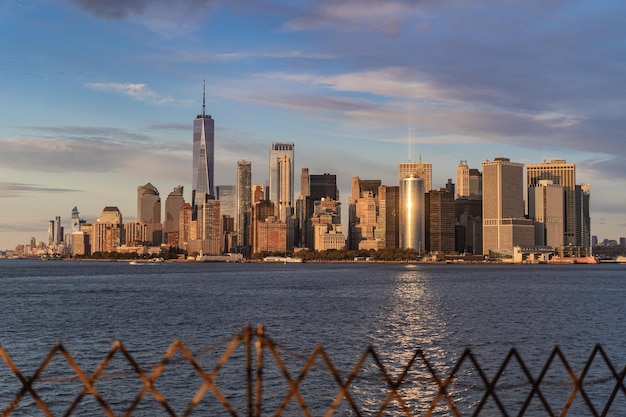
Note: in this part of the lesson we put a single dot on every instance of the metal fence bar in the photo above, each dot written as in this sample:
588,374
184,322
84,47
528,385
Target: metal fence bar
260,352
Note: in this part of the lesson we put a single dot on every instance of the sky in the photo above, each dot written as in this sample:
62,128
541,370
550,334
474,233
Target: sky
98,97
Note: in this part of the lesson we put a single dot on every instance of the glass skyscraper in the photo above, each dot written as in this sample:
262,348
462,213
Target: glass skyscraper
203,157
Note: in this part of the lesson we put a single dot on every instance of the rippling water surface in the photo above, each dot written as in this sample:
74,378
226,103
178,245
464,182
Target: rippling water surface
442,309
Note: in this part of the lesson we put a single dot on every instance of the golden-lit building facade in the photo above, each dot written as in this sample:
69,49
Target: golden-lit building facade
412,216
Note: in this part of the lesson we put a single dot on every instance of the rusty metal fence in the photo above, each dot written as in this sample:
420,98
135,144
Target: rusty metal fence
273,380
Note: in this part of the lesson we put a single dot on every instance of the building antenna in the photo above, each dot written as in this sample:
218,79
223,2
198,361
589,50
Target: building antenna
203,96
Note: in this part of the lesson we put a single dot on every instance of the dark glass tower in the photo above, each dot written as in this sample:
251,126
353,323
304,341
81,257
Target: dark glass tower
203,157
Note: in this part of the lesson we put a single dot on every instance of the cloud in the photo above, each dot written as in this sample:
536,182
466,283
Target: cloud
14,189
164,17
71,149
136,91
381,16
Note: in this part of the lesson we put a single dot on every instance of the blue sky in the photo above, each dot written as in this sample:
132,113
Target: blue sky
98,97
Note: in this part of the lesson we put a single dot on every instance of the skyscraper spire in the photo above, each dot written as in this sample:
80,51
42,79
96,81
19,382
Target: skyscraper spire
203,96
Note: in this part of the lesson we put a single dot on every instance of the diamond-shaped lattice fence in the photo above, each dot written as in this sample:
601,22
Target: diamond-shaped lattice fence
250,374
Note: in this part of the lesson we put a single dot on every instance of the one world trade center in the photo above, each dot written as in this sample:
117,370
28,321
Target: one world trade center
203,158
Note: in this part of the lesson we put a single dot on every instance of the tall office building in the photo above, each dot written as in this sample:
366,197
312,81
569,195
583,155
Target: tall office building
304,182
504,225
76,220
324,185
475,184
440,220
106,232
51,233
227,194
185,226
281,179
320,187
149,212
388,215
173,203
208,230
583,219
357,229
462,179
424,170
203,157
244,204
412,215
563,174
545,208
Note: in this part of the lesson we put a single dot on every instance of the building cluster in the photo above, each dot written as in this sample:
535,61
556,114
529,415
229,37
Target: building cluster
486,212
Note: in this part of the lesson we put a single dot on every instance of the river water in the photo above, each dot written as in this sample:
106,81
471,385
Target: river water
395,308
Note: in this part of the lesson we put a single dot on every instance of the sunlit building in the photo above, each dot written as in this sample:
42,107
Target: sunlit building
560,173
173,203
412,216
209,230
423,170
545,209
107,231
357,229
149,212
462,179
504,224
185,226
282,179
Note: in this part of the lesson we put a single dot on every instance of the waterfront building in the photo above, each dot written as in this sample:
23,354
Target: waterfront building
135,233
412,216
564,174
366,220
203,158
271,235
545,209
281,186
321,187
80,243
244,205
387,230
583,218
149,212
468,217
504,224
439,220
424,170
106,232
325,225
173,203
208,236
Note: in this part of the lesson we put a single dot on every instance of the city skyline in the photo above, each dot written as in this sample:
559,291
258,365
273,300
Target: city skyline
98,99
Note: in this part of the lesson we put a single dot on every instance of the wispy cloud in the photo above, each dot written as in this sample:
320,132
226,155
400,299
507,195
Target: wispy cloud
382,16
15,189
136,91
